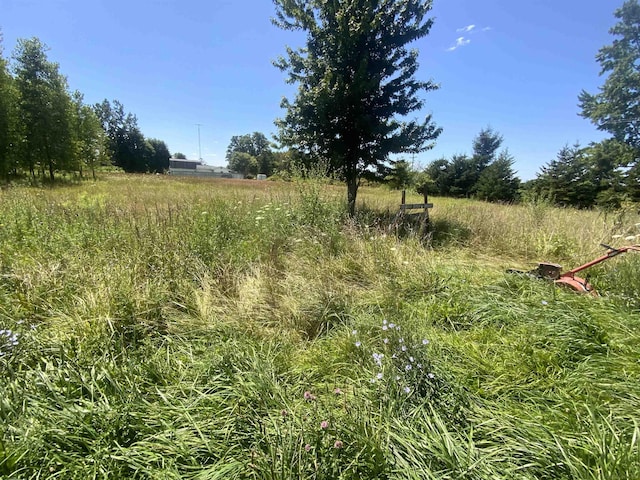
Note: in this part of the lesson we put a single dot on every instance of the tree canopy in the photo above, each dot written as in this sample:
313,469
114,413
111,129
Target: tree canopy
45,128
616,108
486,174
356,79
256,146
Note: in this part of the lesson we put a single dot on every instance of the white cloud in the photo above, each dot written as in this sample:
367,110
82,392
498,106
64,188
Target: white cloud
466,29
486,29
460,42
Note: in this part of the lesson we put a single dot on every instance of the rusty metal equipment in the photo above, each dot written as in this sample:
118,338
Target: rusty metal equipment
553,271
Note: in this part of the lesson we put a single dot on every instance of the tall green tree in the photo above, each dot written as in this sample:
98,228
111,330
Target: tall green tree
485,147
402,175
159,161
356,80
90,143
126,142
243,163
8,104
498,181
255,145
44,108
616,108
439,171
567,180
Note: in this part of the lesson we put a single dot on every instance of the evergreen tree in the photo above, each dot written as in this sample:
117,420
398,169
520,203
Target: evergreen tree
567,179
498,181
616,108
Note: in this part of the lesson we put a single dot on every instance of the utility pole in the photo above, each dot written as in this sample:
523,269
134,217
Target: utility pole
199,149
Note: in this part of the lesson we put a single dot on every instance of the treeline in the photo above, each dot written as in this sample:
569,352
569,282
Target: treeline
45,129
604,174
487,174
253,154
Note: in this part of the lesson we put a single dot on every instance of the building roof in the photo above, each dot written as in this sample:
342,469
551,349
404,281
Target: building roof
186,160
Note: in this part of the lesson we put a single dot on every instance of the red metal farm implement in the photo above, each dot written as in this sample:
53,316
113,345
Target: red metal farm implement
552,271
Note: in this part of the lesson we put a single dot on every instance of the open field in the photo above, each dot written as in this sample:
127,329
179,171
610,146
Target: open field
156,327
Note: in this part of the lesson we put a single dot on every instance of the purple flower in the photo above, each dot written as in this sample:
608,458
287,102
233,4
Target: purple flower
284,413
384,327
338,444
324,424
307,447
377,357
431,375
358,343
386,340
408,367
407,390
337,391
425,341
379,376
308,396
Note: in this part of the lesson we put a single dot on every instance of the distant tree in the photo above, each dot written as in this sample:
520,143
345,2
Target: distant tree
126,141
179,155
498,181
616,108
8,118
424,184
610,164
485,147
44,108
463,175
289,162
439,171
402,175
256,145
244,163
159,161
460,175
90,142
566,179
601,174
355,79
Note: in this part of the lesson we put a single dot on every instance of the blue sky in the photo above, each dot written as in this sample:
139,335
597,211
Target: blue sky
175,64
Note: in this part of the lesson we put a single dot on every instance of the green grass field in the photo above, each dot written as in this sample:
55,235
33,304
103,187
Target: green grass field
161,328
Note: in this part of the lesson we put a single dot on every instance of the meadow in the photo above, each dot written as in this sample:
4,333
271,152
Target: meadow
165,328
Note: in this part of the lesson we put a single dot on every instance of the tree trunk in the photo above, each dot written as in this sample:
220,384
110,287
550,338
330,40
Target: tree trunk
352,191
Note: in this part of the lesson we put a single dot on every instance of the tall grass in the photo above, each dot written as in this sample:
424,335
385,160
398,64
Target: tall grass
155,327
